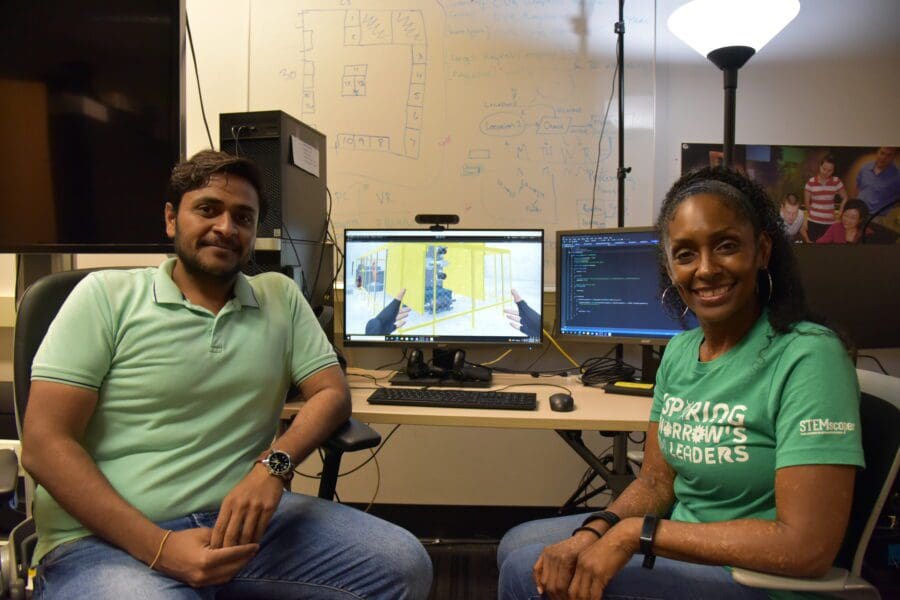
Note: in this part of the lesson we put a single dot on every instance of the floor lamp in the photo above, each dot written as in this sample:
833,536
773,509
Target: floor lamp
728,33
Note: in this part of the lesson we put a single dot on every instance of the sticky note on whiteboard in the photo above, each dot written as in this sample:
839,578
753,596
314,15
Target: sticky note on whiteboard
305,156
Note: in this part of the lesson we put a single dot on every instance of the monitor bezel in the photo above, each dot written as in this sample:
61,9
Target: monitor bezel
615,339
439,343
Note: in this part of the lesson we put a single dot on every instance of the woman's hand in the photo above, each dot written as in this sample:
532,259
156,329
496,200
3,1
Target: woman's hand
554,569
599,563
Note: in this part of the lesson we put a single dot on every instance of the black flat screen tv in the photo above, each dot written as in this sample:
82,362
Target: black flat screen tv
91,123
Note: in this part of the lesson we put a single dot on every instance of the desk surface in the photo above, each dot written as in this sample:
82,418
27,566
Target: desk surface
594,408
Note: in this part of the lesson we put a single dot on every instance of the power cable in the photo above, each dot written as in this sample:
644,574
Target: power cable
187,24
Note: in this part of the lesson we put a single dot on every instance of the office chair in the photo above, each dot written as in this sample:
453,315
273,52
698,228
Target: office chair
37,309
880,422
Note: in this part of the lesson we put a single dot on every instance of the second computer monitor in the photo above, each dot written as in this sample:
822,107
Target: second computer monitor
608,287
455,286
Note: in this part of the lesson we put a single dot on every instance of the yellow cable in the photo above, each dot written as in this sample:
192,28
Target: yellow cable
558,347
497,359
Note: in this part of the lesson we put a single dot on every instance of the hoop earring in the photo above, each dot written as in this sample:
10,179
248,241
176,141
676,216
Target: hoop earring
662,300
771,285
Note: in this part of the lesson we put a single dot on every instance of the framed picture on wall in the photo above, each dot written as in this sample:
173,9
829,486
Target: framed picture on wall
836,194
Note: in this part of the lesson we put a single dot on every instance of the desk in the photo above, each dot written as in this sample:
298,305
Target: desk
595,410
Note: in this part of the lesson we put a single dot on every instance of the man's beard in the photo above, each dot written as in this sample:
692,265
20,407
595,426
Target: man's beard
192,264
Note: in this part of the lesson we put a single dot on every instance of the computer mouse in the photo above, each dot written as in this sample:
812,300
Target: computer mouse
562,402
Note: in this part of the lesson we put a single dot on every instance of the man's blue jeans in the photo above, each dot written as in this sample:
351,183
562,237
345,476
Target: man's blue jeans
312,549
669,579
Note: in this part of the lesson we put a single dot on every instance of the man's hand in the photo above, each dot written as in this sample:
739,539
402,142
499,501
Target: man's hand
247,509
187,557
554,569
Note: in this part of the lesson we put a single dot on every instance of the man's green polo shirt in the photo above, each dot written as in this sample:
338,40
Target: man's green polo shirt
187,399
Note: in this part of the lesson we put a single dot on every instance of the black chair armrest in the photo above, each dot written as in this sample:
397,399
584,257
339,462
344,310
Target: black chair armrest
352,436
9,473
22,541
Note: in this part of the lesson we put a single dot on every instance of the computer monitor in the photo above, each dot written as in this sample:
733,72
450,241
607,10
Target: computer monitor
457,285
607,284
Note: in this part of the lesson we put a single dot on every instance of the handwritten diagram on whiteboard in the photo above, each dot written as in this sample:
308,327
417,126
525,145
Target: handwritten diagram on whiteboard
492,110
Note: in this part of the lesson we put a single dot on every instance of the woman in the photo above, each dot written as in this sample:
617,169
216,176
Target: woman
819,195
736,446
849,229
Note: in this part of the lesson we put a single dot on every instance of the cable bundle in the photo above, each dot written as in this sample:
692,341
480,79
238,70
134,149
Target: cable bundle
600,370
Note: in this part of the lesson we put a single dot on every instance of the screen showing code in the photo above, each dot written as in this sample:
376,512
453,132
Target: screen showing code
609,285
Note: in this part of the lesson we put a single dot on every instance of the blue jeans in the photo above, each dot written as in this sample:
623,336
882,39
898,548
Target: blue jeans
670,579
312,549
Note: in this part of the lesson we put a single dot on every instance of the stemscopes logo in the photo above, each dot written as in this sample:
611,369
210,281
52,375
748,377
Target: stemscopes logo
825,427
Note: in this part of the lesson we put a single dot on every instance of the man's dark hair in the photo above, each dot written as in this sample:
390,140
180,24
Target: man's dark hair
195,172
829,158
784,299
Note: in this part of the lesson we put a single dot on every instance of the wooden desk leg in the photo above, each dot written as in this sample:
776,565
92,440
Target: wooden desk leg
616,480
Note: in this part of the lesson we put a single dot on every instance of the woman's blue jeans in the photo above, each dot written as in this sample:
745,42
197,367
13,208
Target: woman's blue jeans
669,579
312,549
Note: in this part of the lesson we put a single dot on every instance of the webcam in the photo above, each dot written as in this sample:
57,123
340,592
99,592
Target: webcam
437,219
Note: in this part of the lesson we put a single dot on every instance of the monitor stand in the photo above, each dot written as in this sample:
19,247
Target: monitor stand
650,362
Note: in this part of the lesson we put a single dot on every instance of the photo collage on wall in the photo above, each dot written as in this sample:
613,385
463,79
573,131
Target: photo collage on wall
826,195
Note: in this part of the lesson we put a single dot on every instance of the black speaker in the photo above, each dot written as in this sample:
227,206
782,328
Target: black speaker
291,156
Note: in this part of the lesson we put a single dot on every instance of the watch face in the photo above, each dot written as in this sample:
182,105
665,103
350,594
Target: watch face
279,463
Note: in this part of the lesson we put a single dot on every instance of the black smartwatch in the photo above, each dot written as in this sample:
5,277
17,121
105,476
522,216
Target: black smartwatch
648,534
279,464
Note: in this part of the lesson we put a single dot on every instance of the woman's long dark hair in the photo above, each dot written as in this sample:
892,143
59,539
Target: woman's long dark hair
784,299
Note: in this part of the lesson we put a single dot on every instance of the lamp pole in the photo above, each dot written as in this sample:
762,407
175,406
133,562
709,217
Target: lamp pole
622,171
729,59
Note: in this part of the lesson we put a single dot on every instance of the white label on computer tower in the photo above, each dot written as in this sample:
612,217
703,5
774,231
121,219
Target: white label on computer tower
305,156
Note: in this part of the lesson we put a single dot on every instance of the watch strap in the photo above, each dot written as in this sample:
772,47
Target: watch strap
590,529
604,515
648,536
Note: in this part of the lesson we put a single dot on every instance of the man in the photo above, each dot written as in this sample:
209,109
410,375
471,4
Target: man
878,182
150,426
791,216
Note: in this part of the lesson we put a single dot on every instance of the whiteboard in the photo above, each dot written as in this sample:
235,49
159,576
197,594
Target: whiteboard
491,110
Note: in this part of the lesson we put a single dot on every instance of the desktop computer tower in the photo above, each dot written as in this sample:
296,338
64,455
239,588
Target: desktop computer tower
291,156
290,239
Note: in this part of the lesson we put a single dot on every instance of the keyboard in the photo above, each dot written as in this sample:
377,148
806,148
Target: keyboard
454,398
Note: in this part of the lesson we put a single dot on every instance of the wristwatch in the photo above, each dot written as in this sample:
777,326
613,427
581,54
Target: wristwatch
279,464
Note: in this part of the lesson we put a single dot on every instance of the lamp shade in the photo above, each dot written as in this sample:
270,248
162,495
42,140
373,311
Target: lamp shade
707,25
